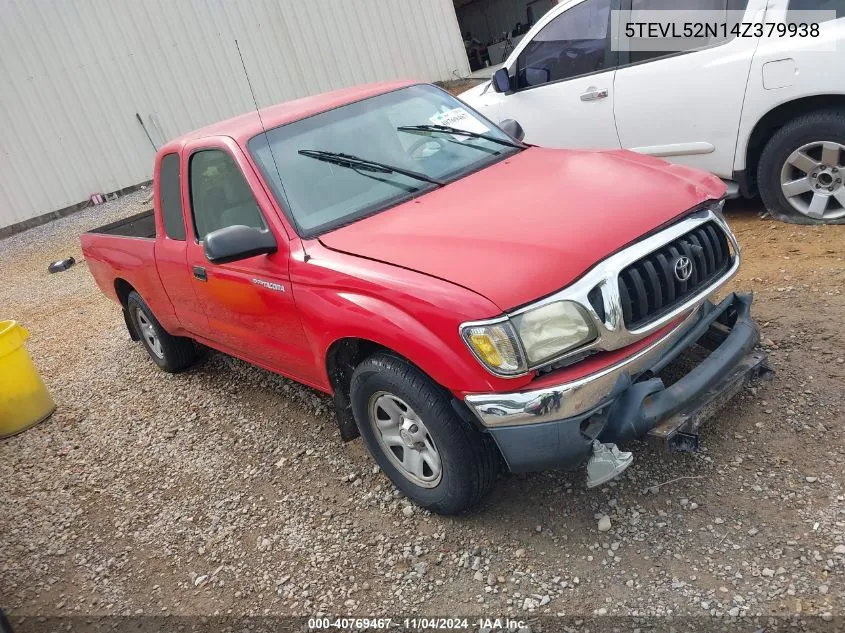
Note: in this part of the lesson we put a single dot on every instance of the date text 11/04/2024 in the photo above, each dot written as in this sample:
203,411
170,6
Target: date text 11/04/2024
416,624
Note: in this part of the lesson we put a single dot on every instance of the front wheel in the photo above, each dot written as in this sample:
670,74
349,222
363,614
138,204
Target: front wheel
440,461
802,168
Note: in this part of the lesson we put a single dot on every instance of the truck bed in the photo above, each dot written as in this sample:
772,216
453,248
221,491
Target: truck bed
125,251
139,225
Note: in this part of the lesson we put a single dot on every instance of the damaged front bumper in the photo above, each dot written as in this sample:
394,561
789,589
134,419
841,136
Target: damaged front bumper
556,426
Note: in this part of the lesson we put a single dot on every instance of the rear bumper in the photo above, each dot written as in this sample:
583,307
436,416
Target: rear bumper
555,426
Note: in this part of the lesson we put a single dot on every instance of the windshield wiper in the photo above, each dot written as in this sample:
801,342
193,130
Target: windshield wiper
457,132
364,164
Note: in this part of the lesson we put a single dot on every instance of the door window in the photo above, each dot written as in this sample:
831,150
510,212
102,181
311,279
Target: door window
575,43
170,197
635,57
220,195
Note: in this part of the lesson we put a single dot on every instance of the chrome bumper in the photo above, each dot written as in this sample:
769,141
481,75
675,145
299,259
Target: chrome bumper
574,398
556,427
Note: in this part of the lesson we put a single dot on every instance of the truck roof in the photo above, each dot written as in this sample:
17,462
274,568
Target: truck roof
244,126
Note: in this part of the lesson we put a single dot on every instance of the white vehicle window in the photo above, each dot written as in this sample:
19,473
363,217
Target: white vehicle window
574,43
818,5
672,5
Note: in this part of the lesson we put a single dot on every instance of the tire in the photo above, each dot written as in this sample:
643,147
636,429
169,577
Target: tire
171,353
805,133
469,459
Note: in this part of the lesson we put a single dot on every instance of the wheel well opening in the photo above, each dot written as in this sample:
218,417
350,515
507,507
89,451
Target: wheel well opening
342,358
122,288
775,119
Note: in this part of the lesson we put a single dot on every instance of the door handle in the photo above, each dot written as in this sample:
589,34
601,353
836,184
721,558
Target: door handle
594,94
199,273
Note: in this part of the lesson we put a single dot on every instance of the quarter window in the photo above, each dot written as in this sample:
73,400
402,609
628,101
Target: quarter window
170,197
575,43
220,195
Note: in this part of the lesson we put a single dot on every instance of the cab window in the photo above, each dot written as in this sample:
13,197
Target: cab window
220,195
574,43
170,197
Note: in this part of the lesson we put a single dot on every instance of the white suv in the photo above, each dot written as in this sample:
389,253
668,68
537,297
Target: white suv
765,114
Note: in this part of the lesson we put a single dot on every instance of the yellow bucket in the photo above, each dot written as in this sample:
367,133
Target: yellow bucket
24,400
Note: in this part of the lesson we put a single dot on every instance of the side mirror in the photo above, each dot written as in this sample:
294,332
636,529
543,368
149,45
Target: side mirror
513,129
501,80
236,242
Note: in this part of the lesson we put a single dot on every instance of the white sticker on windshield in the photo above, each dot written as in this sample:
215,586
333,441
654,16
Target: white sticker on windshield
461,119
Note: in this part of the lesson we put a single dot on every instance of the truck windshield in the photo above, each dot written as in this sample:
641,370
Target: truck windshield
406,130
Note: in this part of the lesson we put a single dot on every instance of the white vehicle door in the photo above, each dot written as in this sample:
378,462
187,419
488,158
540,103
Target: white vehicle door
686,106
561,78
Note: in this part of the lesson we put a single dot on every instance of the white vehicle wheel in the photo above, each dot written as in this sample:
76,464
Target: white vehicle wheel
802,169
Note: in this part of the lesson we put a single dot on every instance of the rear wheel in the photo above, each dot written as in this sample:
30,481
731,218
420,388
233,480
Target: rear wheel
172,353
802,169
440,461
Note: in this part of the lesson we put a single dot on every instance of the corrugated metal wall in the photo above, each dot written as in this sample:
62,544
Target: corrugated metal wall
73,74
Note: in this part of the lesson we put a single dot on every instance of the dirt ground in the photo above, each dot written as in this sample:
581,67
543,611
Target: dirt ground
225,490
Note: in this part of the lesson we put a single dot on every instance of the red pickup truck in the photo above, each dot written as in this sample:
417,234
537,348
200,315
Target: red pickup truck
470,302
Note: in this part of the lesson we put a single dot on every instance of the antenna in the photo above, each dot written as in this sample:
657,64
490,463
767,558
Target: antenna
267,138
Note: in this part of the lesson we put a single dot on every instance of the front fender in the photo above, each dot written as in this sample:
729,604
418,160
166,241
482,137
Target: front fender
424,334
364,317
341,296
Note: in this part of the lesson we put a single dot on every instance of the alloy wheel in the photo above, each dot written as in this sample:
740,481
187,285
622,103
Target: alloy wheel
811,180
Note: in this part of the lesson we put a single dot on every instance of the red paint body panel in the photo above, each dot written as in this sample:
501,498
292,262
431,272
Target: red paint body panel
531,225
341,296
132,259
405,278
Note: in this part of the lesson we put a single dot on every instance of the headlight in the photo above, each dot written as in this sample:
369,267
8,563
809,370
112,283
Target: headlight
496,346
553,329
511,347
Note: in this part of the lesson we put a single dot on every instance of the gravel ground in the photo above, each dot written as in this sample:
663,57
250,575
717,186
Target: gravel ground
226,490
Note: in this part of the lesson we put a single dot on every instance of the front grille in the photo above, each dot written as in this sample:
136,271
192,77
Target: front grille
649,288
596,299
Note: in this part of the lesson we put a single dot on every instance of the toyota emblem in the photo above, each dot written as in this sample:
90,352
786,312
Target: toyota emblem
683,268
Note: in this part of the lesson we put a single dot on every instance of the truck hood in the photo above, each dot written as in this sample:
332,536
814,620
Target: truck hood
532,224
